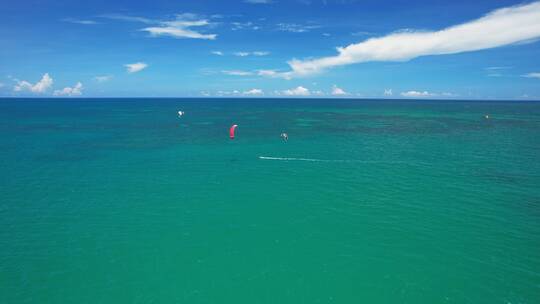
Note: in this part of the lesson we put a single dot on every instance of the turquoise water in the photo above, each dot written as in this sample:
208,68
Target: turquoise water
121,201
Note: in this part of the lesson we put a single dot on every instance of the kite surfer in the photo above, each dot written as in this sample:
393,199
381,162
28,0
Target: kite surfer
231,131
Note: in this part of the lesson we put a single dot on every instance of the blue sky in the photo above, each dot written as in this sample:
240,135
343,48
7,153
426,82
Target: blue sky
259,48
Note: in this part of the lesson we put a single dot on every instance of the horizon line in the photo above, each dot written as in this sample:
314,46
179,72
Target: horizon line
274,98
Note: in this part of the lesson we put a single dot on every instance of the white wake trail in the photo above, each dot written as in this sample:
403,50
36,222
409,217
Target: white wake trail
294,158
330,160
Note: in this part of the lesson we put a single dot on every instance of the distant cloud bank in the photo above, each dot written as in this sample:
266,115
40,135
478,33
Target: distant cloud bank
425,94
298,91
254,92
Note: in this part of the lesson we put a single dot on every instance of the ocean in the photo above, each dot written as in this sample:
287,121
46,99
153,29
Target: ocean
369,201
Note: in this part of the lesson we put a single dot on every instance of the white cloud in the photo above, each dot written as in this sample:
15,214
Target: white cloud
128,18
274,74
296,28
362,33
338,91
495,71
256,53
446,94
424,94
40,87
251,92
79,21
180,27
135,67
254,92
237,73
497,68
219,53
67,91
241,54
225,93
103,78
501,27
298,91
417,94
388,92
325,2
236,26
532,75
268,73
258,1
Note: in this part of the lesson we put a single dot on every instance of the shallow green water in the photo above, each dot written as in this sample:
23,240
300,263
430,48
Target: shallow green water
120,201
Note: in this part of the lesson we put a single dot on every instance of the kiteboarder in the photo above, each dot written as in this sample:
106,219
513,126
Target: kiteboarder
231,131
284,136
180,113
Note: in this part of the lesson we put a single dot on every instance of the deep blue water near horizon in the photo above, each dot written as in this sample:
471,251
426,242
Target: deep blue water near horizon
376,201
